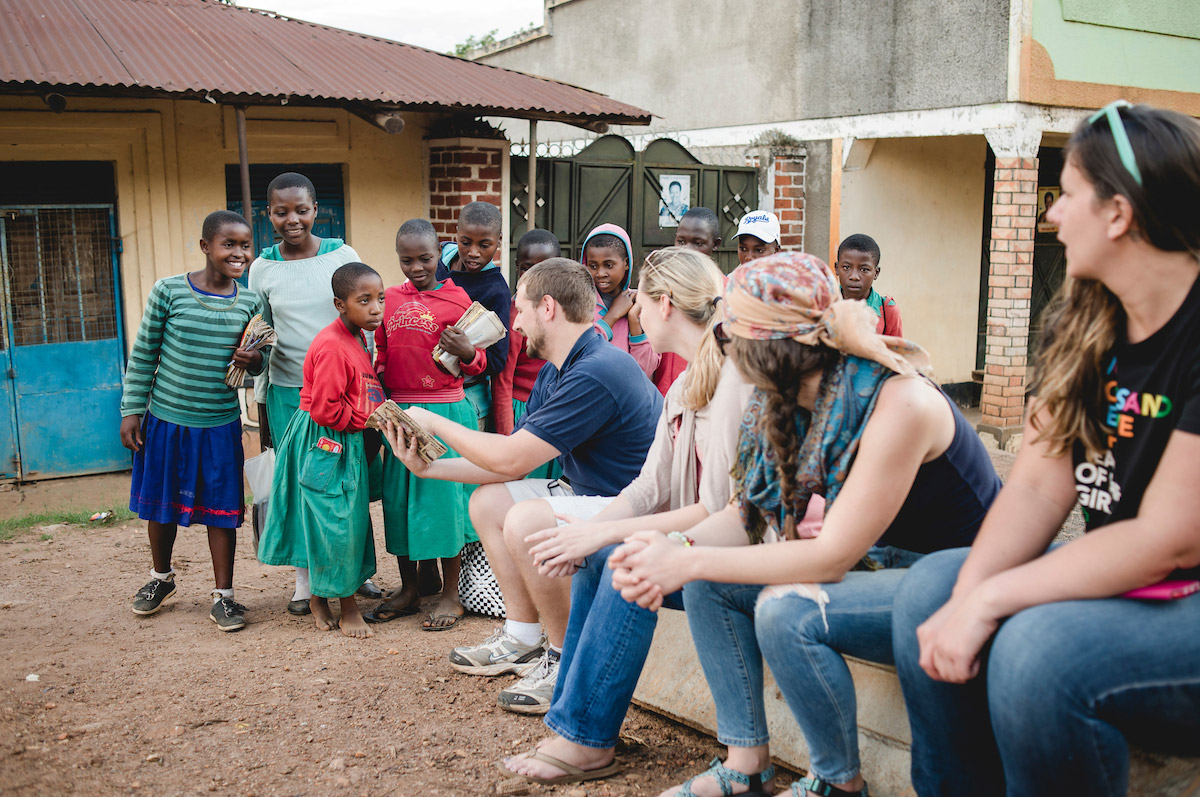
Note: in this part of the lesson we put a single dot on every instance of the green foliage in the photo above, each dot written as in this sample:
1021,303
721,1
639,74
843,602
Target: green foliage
13,527
774,138
462,49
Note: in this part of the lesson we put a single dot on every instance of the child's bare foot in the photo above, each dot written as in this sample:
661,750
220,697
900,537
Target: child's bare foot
321,614
446,614
353,624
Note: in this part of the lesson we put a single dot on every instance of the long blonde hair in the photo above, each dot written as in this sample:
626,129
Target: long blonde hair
1082,326
692,282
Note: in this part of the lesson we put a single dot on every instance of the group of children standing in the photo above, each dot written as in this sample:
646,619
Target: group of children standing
345,344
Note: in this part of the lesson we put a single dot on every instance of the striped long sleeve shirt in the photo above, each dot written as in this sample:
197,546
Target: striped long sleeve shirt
184,344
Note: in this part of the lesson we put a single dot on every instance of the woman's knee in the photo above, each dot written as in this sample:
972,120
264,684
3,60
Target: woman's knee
927,587
782,622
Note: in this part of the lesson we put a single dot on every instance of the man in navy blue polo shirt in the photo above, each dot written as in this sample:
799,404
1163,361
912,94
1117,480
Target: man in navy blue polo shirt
593,408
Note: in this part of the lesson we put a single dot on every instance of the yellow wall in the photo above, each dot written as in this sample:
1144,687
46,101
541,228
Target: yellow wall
170,156
922,200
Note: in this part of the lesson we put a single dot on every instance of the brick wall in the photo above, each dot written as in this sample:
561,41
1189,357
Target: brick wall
1010,280
462,171
788,194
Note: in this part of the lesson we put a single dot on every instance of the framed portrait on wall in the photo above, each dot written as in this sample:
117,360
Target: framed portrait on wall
674,198
1047,196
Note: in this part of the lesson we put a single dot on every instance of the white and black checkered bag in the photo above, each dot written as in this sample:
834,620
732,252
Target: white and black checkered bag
477,587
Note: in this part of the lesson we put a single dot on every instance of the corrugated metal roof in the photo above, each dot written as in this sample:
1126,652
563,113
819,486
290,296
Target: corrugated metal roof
199,46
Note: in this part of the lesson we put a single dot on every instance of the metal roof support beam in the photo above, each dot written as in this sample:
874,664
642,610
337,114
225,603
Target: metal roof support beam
244,166
532,179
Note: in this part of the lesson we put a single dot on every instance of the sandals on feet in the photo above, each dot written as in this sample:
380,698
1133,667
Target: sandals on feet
726,777
434,618
385,614
574,773
816,785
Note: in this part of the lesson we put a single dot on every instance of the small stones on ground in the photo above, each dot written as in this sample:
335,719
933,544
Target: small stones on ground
360,754
337,763
50,705
33,676
153,758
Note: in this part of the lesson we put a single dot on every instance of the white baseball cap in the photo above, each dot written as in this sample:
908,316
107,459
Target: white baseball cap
762,224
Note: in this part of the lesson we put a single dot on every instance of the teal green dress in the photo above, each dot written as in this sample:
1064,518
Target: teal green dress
319,514
427,518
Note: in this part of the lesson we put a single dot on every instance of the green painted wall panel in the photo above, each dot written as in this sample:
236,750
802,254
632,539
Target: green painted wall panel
1100,53
1172,17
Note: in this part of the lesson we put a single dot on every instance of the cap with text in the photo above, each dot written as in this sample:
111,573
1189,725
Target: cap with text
761,224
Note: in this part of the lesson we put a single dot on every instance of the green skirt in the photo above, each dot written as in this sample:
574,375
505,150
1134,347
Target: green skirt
319,516
427,518
282,403
553,468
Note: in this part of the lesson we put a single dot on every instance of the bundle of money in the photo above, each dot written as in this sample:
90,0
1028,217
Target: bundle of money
429,447
257,335
481,326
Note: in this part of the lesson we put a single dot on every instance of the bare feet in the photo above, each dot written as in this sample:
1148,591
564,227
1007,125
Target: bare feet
557,747
446,613
353,625
321,614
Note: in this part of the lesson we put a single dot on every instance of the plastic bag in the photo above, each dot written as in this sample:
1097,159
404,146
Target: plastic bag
259,472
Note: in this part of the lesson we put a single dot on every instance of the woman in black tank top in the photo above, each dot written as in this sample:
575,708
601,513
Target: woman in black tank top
838,412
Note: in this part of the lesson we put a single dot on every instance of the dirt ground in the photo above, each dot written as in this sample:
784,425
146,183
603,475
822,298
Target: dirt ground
168,705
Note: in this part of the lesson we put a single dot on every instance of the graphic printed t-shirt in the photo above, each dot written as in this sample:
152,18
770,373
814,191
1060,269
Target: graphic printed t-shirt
1151,389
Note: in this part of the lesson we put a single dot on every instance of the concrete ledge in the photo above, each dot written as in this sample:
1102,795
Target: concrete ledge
673,684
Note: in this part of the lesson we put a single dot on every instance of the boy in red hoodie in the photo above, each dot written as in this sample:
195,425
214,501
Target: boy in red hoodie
320,516
424,520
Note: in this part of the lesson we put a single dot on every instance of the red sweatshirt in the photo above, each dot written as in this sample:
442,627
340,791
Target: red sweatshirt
515,381
340,387
412,325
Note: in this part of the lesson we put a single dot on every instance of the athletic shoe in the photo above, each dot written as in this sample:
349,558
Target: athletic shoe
531,694
499,654
228,614
149,598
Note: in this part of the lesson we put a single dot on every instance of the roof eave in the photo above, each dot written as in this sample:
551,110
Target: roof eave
588,121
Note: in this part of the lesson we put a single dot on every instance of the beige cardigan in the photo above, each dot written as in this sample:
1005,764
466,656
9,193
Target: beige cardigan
687,443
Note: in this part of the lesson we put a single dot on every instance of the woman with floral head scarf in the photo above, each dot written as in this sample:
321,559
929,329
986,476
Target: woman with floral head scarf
837,411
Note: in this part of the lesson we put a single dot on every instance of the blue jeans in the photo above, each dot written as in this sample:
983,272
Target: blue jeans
605,648
1062,688
804,648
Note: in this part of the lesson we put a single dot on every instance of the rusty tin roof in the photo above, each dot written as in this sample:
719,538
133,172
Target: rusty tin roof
201,47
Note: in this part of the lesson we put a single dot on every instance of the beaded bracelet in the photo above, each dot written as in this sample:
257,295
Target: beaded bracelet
680,537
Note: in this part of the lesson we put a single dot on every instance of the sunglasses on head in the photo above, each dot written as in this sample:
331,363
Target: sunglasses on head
1112,113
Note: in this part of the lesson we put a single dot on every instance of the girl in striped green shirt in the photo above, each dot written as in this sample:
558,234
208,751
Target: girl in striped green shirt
183,422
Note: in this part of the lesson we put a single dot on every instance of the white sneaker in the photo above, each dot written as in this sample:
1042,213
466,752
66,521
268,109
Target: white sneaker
499,654
532,694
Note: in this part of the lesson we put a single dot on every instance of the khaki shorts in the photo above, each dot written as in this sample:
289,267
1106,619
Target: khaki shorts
559,496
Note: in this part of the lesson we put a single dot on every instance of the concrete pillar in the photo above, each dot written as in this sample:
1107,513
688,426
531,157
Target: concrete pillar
1010,281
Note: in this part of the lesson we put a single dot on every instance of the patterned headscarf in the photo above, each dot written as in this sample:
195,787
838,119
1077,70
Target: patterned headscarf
794,295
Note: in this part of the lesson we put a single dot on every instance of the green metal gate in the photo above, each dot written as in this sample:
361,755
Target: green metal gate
610,182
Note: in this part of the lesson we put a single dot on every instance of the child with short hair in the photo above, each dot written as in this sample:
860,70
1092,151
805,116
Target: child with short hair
757,236
320,511
293,277
607,254
468,259
182,421
857,268
424,520
511,387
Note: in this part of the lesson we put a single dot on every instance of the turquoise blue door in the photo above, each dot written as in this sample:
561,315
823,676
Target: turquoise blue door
64,346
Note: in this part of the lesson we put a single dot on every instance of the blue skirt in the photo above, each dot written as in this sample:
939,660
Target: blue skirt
186,475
